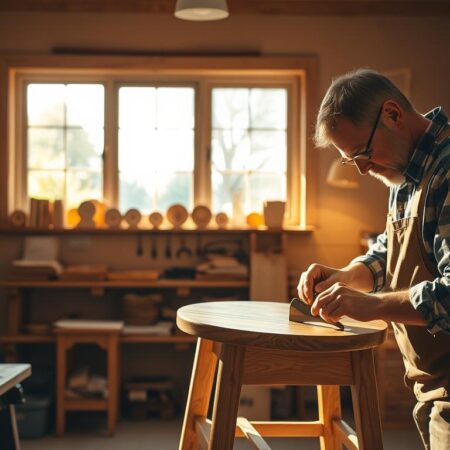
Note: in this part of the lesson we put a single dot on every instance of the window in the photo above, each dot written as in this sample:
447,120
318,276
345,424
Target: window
64,141
229,135
249,147
156,147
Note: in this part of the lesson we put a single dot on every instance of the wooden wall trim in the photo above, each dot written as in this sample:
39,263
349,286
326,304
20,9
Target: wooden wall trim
4,154
265,7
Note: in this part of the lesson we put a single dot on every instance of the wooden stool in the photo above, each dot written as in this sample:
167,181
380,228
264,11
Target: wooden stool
107,340
254,343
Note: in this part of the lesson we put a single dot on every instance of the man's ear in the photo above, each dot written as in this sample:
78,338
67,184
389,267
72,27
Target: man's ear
392,115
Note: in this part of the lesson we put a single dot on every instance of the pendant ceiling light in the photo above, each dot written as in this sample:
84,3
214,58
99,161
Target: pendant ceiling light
201,10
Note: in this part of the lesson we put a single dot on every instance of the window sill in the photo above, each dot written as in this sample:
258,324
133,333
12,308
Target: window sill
128,231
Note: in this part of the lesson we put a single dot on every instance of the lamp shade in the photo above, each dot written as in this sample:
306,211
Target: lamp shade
340,175
201,10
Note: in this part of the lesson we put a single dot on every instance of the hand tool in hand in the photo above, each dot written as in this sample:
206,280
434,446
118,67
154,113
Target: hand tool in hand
301,312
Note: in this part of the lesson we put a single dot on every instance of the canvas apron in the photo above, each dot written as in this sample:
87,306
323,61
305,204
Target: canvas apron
426,356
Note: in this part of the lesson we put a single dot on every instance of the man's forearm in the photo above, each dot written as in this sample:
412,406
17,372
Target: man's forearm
396,307
359,276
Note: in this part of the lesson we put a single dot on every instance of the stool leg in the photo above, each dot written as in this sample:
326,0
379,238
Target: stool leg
61,368
329,402
197,404
226,400
113,376
365,401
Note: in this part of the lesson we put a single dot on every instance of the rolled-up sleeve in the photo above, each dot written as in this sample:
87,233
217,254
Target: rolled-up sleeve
375,260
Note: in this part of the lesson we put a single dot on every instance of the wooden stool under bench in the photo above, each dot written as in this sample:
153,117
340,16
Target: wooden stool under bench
106,339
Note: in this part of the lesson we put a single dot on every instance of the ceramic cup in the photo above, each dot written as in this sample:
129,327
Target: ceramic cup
274,213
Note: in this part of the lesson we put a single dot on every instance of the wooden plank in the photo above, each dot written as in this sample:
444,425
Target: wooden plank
290,229
329,403
266,324
169,284
269,366
345,434
61,373
27,339
85,405
226,399
236,7
286,429
200,388
203,430
365,402
12,374
124,339
254,438
147,339
5,156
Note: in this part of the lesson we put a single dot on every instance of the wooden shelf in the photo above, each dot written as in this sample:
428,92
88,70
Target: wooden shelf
124,338
163,283
123,231
85,404
27,339
146,339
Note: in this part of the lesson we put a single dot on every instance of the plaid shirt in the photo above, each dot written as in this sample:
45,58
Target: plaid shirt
430,298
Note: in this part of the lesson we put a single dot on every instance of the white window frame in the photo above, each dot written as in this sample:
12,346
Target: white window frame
298,75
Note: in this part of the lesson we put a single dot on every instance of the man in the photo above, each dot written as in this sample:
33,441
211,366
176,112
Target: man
405,277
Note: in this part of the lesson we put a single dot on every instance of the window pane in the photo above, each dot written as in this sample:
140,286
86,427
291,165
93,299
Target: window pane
230,108
230,149
265,187
174,188
65,131
45,104
81,186
136,190
226,189
156,155
175,107
45,148
78,97
46,184
268,108
156,150
84,148
249,147
269,151
137,107
135,149
149,191
179,148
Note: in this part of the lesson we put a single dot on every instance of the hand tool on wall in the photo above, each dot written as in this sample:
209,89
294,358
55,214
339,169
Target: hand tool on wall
199,250
154,249
168,251
139,248
184,249
301,312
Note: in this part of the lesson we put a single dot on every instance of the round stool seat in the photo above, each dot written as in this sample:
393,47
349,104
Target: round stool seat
266,324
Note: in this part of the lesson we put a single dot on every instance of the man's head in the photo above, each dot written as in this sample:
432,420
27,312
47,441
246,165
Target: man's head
370,122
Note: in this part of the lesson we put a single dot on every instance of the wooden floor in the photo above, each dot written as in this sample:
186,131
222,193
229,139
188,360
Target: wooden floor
90,434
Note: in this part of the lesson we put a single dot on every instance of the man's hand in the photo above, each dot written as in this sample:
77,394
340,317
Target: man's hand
340,300
318,278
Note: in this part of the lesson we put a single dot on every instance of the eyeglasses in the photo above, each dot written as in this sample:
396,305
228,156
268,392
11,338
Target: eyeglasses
366,154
